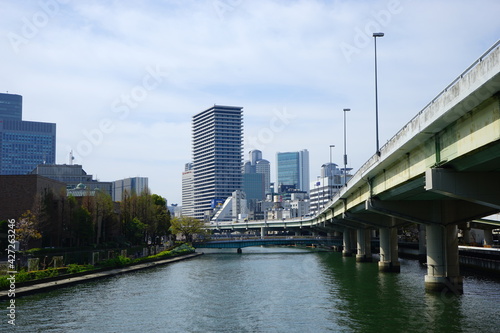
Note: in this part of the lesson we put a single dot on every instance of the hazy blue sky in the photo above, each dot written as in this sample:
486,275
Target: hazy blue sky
122,79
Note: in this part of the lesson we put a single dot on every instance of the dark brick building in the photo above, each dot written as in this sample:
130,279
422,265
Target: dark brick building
18,193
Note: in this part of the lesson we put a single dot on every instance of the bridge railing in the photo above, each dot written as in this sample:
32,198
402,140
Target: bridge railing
373,159
455,81
474,64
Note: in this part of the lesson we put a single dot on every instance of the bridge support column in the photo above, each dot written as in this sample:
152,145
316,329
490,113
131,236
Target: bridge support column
368,245
239,250
442,259
346,252
488,237
389,250
354,241
364,250
466,235
263,232
422,250
297,233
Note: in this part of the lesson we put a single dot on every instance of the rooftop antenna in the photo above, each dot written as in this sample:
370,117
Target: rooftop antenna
71,157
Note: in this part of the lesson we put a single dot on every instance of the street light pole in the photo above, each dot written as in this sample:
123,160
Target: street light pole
330,194
345,150
375,35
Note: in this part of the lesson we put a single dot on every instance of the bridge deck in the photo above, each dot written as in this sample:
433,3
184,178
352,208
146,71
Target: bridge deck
236,244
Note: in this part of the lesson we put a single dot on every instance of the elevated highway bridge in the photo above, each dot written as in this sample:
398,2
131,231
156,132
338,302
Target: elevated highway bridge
441,171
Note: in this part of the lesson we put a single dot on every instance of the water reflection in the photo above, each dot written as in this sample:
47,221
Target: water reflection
264,290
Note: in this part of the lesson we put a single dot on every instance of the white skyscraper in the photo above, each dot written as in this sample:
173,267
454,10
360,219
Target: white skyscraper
217,156
188,190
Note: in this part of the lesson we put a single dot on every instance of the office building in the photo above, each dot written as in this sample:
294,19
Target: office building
131,185
234,209
253,186
78,182
23,144
11,107
188,190
256,164
292,169
325,186
217,156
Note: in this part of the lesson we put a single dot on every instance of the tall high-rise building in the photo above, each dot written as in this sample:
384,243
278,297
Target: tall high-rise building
293,169
188,190
217,156
11,107
256,165
264,167
23,144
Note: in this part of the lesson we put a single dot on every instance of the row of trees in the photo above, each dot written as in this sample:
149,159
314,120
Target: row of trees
144,217
57,220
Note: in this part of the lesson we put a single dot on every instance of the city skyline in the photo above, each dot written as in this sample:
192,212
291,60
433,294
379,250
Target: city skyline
122,81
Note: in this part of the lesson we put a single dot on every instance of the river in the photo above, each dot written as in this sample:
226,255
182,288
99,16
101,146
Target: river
265,289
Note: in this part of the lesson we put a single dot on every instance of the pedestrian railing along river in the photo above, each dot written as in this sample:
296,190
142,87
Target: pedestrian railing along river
240,242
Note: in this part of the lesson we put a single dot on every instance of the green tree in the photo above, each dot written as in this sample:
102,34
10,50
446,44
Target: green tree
134,230
102,214
27,229
82,228
151,215
188,227
161,216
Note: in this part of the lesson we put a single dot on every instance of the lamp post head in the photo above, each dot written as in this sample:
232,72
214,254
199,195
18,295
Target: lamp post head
347,109
332,146
378,34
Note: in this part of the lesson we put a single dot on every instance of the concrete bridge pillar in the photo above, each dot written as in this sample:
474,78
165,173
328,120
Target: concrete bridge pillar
422,249
297,233
389,250
346,252
368,245
442,259
488,237
263,232
364,249
354,240
466,235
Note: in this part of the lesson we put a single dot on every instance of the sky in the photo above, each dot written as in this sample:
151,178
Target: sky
122,79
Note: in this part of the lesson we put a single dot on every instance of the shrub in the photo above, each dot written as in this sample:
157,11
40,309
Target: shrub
115,262
75,268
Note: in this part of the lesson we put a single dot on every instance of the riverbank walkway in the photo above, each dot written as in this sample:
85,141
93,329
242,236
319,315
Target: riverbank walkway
64,282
